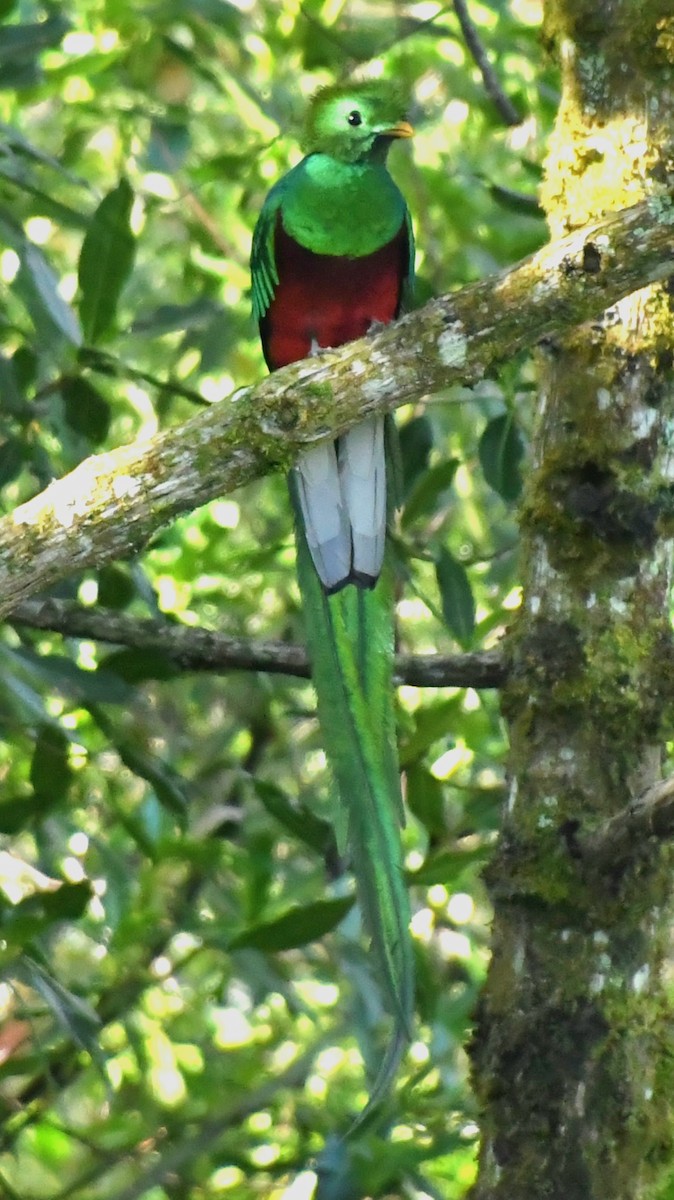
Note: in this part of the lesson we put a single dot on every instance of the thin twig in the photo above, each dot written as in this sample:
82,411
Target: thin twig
203,650
489,77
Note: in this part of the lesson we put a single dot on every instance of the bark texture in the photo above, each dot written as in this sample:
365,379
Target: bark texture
572,1050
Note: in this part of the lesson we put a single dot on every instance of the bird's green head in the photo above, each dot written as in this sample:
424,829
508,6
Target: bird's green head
353,122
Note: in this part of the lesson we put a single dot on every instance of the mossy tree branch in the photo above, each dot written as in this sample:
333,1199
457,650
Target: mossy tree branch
111,504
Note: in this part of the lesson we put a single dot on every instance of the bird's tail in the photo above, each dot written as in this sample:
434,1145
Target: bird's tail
341,490
350,641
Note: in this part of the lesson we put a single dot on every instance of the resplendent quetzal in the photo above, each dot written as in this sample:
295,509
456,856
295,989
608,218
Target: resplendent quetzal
333,254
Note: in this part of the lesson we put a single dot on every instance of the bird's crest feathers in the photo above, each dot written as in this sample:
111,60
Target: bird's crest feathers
349,120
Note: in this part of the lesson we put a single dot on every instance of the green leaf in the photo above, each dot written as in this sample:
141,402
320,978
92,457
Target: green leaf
482,808
32,917
427,492
12,453
431,724
168,786
116,588
76,1017
67,902
259,873
524,203
167,318
28,41
44,204
86,410
61,673
25,364
426,799
18,144
501,449
50,771
18,812
301,924
37,284
118,883
297,819
416,443
458,605
134,666
106,260
12,400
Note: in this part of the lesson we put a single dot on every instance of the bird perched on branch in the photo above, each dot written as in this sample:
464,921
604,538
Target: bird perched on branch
333,255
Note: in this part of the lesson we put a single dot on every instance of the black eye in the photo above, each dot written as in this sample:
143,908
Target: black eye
354,118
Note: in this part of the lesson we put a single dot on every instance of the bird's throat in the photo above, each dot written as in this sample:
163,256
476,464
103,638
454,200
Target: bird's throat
342,209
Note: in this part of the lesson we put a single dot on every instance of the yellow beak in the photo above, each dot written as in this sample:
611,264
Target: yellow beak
402,130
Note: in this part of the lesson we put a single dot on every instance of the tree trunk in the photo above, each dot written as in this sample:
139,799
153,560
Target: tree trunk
572,1050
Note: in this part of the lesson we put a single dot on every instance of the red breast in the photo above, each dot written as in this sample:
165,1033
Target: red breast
329,300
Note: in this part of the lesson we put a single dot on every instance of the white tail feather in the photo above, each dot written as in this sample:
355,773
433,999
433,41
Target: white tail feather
362,477
341,488
325,521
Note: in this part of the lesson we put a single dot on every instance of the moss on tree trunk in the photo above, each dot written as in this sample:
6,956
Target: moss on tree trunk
572,1050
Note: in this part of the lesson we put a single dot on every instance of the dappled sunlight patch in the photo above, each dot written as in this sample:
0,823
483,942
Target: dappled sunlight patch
164,1078
225,1178
302,1187
231,1028
451,761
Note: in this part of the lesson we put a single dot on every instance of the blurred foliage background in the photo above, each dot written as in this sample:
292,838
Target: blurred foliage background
186,1004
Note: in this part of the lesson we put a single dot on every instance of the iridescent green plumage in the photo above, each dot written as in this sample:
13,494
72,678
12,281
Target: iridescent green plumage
332,254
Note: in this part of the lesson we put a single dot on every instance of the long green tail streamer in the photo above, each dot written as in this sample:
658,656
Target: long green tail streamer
350,642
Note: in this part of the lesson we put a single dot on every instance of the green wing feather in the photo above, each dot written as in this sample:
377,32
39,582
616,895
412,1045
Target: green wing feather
264,275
